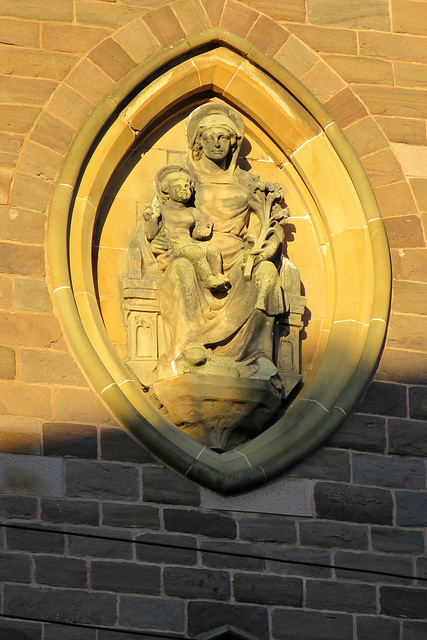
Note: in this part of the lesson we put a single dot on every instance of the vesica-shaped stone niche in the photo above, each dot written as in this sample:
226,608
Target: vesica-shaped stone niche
219,262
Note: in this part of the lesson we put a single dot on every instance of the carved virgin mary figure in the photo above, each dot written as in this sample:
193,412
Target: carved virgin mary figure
222,293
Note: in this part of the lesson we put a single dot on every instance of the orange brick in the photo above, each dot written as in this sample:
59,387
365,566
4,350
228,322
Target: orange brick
80,405
394,101
404,232
382,168
409,297
6,176
112,59
22,226
238,18
35,63
20,435
49,367
392,46
296,56
395,199
410,75
345,108
409,16
326,40
90,81
40,10
407,332
360,70
292,10
17,118
214,9
53,133
105,15
405,130
40,161
26,90
268,35
7,363
24,33
71,38
31,192
6,293
29,400
32,330
25,260
410,264
137,40
419,187
164,25
355,14
10,146
365,136
190,15
323,82
70,106
397,365
32,295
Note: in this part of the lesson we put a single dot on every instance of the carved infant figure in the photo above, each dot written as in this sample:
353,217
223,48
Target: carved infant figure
173,226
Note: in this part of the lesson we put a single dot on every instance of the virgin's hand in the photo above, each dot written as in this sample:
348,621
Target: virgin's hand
161,243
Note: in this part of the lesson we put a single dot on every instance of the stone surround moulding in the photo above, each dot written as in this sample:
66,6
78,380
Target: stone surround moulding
309,145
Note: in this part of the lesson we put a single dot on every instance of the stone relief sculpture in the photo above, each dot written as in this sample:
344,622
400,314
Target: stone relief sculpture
219,310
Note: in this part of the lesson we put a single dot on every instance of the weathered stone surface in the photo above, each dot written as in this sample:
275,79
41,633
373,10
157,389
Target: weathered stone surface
32,295
365,136
376,627
15,119
238,18
5,292
404,130
414,630
62,605
409,17
410,295
125,577
112,59
330,40
267,35
7,363
148,551
15,567
69,511
418,403
268,590
191,16
266,528
204,616
354,504
388,471
35,541
392,46
10,144
357,14
80,405
196,522
360,432
18,507
395,199
382,167
295,555
70,38
25,399
406,367
323,82
365,563
43,11
419,186
85,547
385,399
53,133
164,25
51,367
404,231
360,70
397,540
130,515
293,10
19,32
105,14
341,596
152,613
117,444
53,631
407,437
346,108
333,535
403,603
137,40
34,63
19,435
410,264
22,226
289,624
102,480
167,487
326,464
411,509
31,475
61,572
196,583
90,81
237,556
21,259
20,629
69,440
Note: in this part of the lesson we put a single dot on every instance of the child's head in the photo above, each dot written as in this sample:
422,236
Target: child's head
174,183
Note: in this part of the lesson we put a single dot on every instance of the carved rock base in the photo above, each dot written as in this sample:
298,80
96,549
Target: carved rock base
220,412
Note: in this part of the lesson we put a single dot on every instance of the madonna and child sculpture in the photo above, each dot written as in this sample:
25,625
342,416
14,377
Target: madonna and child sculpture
213,313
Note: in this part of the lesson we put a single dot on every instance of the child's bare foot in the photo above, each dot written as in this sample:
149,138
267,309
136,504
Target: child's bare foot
219,281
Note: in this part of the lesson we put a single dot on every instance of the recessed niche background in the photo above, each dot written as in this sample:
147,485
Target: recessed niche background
131,188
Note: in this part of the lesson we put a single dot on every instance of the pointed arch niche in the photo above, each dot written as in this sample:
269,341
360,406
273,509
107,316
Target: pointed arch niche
339,244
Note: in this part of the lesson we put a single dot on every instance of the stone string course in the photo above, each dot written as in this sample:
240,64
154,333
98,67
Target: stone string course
64,459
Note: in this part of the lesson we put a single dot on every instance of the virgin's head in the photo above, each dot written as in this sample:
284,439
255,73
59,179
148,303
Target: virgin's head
216,138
